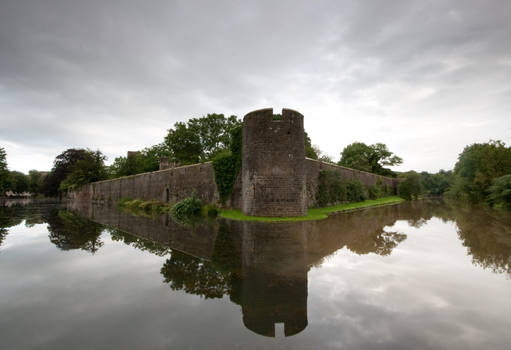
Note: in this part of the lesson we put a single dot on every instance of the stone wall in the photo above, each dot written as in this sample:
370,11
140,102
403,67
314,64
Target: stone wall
168,186
273,176
313,168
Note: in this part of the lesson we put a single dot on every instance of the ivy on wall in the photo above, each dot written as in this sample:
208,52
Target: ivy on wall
333,189
228,164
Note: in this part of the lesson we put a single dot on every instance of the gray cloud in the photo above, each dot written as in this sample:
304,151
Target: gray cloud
426,78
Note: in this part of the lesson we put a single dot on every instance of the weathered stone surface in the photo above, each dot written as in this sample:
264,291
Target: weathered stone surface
313,168
273,174
170,185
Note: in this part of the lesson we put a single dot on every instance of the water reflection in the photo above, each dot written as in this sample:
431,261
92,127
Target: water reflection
263,268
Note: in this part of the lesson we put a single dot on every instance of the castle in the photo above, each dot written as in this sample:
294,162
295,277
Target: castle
276,178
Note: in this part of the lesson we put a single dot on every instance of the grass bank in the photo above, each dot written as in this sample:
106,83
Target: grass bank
314,213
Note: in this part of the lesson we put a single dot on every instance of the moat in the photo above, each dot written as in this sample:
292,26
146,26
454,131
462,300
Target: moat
420,274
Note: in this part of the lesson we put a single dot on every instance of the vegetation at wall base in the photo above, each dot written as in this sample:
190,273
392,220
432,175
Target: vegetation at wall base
188,210
333,189
314,213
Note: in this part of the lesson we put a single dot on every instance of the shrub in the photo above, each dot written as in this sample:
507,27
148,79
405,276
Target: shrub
187,209
356,191
375,192
331,188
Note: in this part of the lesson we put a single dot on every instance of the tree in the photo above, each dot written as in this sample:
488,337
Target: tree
370,158
19,182
477,166
140,162
89,169
64,164
200,139
310,151
410,188
35,180
436,184
4,171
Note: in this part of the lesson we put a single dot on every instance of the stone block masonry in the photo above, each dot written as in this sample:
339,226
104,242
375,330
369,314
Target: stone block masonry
272,173
275,179
167,186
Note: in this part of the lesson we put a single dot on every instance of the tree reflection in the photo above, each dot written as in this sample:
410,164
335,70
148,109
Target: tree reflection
69,231
380,242
139,243
9,217
487,236
195,276
208,279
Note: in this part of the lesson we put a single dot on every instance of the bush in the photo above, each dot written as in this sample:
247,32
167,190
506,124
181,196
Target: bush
331,188
356,191
187,209
500,191
376,191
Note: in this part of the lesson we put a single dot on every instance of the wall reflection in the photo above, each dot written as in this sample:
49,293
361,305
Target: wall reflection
262,267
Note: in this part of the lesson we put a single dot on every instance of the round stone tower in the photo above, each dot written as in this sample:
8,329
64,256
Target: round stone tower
273,167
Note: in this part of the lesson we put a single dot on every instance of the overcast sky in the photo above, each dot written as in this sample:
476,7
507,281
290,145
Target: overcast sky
424,77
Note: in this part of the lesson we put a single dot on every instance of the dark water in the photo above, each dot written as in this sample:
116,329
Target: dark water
419,275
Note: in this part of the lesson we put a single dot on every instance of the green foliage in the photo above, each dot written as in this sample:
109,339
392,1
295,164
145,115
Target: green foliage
64,164
310,151
209,211
370,158
35,180
375,191
226,170
143,161
477,166
355,191
436,184
187,210
200,139
500,191
4,171
228,164
90,168
19,182
333,189
411,187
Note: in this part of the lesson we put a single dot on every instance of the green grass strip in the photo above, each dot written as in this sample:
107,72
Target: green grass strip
314,213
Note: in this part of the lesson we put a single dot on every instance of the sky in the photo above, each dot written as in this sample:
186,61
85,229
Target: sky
426,78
